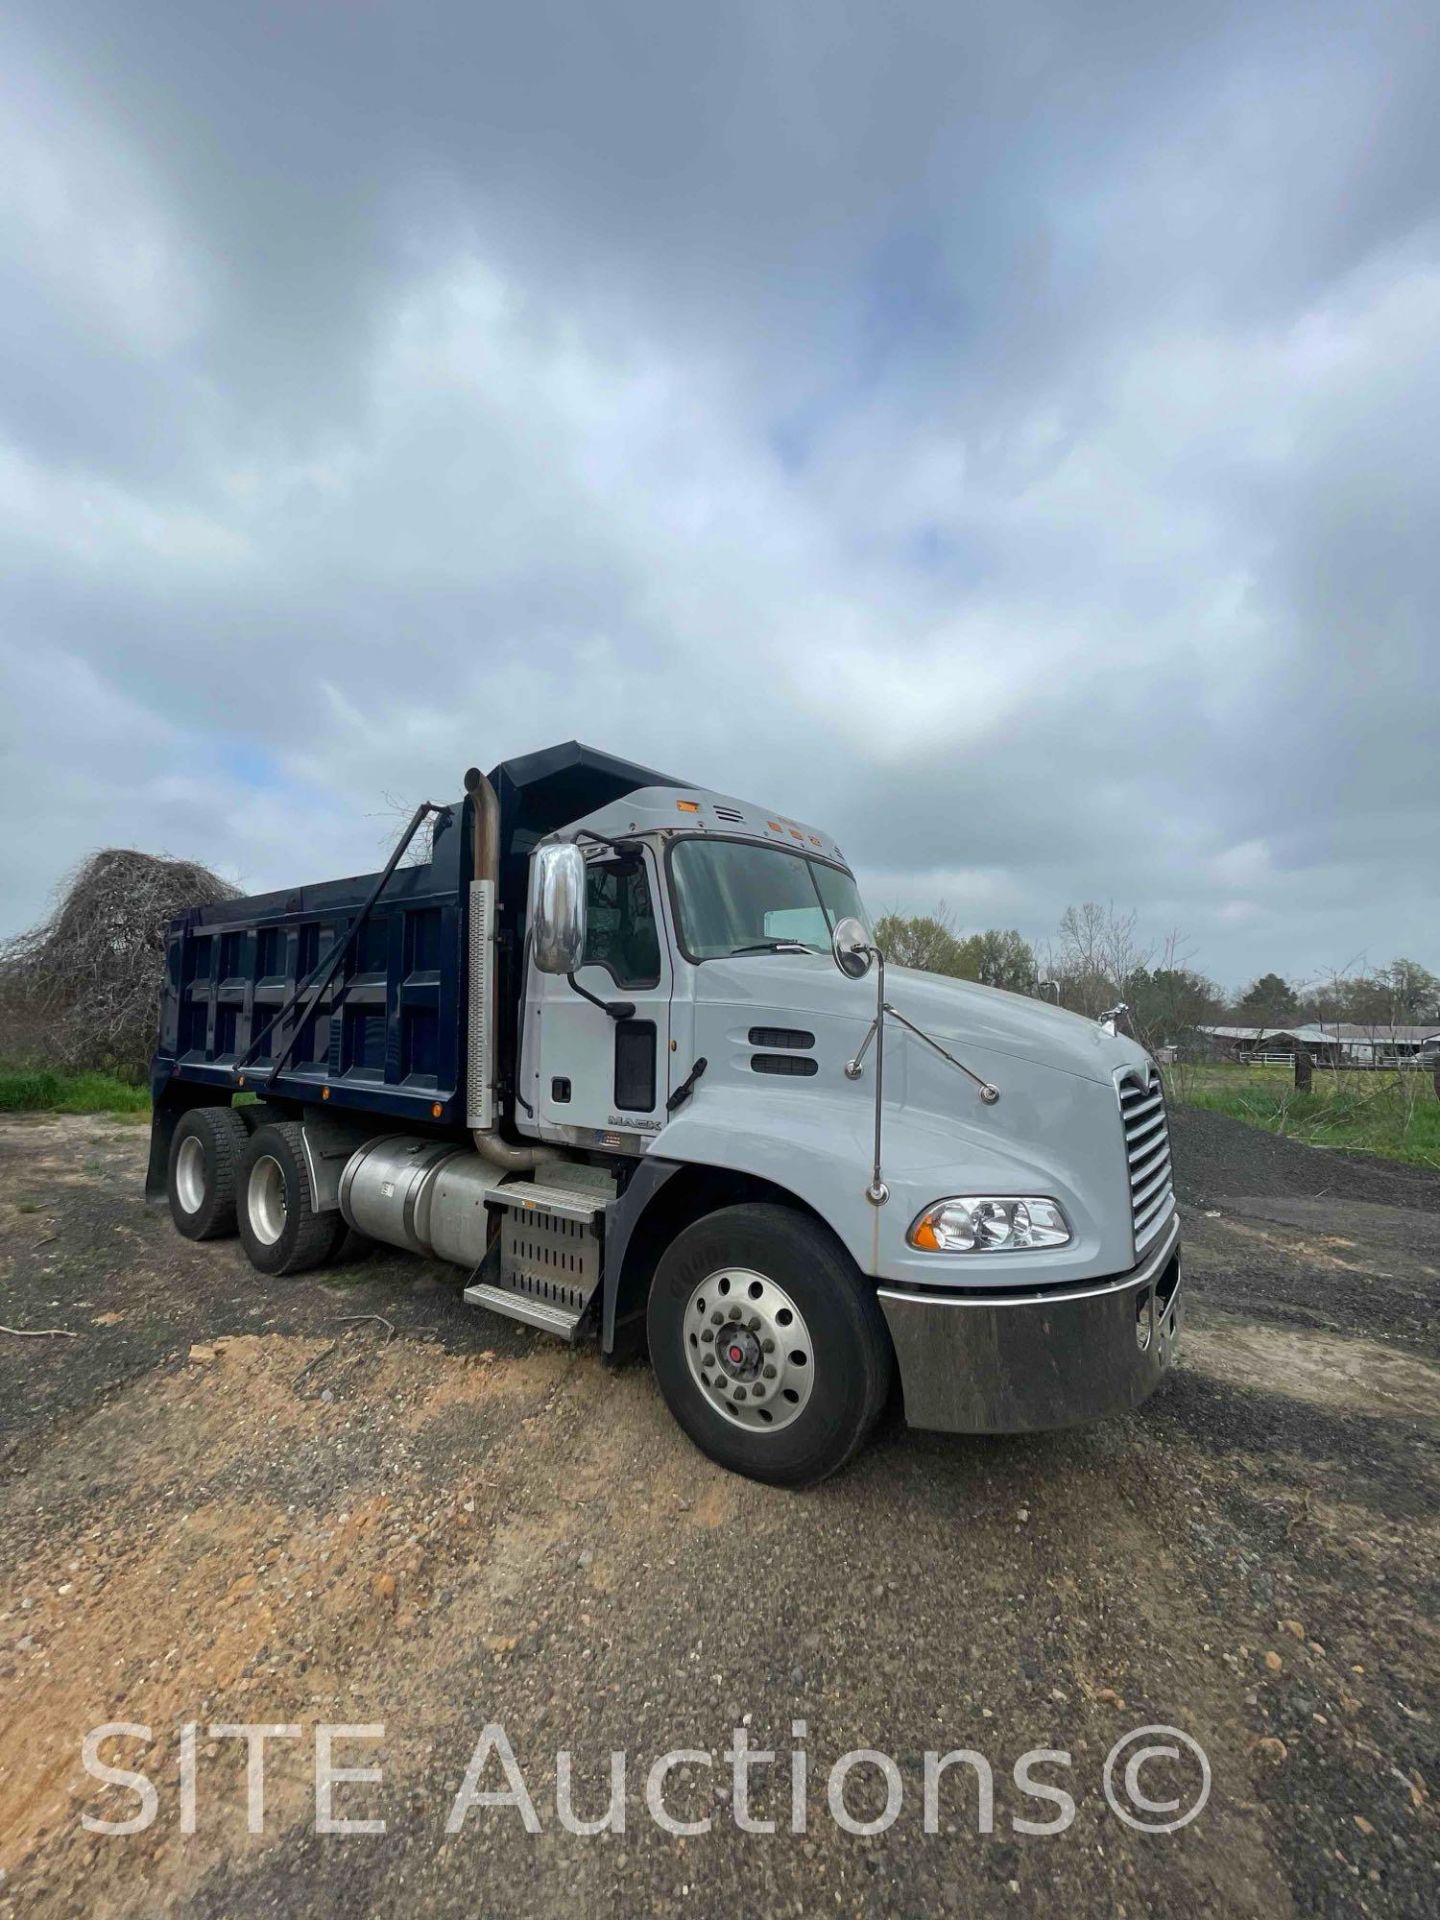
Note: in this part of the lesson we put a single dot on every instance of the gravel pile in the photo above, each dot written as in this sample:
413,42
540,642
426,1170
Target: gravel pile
1215,1155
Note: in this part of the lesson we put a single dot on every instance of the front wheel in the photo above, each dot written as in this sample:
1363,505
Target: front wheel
769,1346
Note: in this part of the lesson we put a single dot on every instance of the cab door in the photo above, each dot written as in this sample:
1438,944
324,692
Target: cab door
597,1073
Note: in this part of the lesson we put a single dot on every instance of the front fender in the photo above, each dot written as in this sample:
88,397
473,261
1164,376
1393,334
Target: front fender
817,1143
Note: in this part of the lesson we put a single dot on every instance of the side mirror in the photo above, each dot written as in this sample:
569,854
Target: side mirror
557,906
850,944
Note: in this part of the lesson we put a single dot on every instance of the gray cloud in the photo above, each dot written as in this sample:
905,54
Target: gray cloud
1011,439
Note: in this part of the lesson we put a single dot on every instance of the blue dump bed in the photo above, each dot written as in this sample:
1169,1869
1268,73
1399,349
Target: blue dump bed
387,1034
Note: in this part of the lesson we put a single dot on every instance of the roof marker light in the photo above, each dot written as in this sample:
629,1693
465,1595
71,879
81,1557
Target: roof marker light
688,806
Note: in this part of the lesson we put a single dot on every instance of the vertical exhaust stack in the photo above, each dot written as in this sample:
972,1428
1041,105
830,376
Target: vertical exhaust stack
484,1012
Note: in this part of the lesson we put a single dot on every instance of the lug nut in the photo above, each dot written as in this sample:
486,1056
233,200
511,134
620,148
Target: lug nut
739,1393
754,1323
769,1373
708,1334
734,1313
767,1346
717,1319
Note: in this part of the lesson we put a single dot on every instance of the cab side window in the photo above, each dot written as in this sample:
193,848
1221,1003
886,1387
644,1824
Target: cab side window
621,933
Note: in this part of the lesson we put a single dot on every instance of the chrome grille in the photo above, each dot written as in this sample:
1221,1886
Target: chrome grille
1147,1149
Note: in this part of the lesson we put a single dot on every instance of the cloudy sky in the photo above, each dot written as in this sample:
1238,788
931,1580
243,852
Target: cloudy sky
1008,435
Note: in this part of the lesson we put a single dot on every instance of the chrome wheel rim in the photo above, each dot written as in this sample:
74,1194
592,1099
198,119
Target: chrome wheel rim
190,1175
748,1349
266,1199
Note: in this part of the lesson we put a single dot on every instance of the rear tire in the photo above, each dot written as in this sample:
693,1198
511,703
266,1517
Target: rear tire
279,1226
203,1169
806,1314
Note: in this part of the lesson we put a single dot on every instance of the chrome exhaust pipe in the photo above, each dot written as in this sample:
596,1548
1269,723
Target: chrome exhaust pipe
484,992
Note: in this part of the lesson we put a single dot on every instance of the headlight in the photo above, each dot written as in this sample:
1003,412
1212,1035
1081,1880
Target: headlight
984,1225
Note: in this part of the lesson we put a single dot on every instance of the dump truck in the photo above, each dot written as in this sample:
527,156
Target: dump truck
624,1050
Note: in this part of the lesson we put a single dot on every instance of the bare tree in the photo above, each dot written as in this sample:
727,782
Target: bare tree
1094,955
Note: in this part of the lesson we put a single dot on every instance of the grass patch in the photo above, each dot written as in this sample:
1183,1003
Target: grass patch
36,1090
1394,1114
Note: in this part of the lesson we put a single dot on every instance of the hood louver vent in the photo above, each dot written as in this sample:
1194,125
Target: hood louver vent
797,1065
795,1038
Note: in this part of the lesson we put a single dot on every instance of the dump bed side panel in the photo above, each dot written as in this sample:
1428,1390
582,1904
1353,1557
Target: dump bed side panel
386,1036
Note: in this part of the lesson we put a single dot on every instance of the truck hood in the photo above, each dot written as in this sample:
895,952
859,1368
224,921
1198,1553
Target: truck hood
958,1013
964,1012
1056,1128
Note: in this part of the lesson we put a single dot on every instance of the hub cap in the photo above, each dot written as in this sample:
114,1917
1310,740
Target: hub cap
266,1197
190,1174
748,1349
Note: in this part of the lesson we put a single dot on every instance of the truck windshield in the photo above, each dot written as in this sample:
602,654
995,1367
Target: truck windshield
733,898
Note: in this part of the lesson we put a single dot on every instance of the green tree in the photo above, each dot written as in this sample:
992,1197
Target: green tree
1402,994
1168,1003
1000,958
1268,1002
927,941
930,941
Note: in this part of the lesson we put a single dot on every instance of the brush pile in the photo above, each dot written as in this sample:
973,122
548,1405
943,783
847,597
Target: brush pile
83,989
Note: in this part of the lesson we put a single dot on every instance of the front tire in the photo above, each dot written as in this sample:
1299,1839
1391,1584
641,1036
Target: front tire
202,1172
279,1226
800,1362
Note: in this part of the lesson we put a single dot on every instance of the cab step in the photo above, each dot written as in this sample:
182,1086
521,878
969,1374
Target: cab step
543,1268
565,1203
549,1316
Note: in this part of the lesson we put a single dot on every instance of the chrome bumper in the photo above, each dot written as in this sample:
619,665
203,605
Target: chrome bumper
1032,1359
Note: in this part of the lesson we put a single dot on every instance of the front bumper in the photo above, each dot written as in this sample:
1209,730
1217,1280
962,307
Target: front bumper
1026,1361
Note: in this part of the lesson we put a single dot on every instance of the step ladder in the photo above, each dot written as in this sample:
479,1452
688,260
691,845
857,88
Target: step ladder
544,1267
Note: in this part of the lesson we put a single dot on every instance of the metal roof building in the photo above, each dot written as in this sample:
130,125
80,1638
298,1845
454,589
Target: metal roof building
1347,1038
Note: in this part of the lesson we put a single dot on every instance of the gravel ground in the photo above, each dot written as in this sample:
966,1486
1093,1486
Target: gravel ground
1218,1155
236,1500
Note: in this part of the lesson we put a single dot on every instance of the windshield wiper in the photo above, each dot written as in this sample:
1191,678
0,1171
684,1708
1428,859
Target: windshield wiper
774,946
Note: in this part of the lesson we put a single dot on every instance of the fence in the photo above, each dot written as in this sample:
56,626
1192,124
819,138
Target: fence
1400,1063
1305,1066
